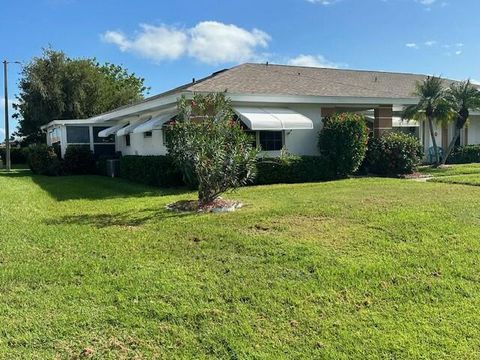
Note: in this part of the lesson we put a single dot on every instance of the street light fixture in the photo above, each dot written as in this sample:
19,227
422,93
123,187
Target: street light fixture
7,129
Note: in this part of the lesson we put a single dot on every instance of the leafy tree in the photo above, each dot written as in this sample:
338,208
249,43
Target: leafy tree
343,142
54,86
210,146
432,105
463,97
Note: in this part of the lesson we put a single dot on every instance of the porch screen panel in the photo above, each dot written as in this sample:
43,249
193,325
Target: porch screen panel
78,135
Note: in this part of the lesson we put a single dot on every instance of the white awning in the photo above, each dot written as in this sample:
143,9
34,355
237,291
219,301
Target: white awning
129,128
156,122
273,118
110,131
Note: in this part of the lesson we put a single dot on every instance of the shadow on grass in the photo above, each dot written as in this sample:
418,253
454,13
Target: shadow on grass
122,219
90,187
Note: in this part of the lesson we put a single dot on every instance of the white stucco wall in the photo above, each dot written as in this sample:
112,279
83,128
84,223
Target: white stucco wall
140,145
304,142
474,130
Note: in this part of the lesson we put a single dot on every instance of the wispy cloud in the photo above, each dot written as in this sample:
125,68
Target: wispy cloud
453,49
209,42
324,2
314,61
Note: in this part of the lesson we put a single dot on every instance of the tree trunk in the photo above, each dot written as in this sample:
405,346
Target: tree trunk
451,145
434,142
459,124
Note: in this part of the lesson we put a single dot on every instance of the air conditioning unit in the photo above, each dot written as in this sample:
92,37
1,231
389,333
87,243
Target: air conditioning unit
113,167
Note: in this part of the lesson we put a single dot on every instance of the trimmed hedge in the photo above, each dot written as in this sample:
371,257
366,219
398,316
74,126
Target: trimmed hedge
393,153
465,155
151,170
343,141
160,170
299,169
17,155
79,160
43,160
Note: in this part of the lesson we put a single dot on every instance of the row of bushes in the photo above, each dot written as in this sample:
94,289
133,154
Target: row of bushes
465,155
78,160
17,155
150,170
161,171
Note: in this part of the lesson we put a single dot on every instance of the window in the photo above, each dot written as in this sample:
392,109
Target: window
271,140
102,140
147,134
127,140
78,135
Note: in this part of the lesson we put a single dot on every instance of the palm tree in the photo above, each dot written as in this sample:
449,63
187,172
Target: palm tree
431,105
463,97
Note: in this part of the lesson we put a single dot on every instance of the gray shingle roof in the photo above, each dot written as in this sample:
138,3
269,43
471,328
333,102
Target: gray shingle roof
295,80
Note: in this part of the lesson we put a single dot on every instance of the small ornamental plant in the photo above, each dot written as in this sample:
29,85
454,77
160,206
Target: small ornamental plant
343,142
210,147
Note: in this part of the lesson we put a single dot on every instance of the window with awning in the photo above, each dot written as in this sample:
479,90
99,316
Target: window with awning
274,119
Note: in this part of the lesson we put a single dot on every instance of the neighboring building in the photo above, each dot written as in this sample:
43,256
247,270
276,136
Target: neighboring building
283,106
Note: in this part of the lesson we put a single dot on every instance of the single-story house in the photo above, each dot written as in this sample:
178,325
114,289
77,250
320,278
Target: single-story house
283,106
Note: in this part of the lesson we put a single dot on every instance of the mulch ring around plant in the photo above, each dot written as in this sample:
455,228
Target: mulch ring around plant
218,205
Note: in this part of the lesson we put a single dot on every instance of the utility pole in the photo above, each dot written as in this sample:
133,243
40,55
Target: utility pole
7,130
8,162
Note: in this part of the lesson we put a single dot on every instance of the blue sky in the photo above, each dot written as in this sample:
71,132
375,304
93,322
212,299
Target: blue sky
170,42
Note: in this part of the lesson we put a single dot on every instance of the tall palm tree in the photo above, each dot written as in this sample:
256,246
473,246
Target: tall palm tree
432,105
463,97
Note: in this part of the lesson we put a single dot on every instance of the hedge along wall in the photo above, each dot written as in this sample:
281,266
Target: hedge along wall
150,170
160,170
465,155
293,170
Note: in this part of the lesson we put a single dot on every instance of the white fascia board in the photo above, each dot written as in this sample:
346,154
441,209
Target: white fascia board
151,105
323,100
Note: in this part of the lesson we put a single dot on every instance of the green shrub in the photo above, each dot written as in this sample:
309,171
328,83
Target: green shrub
393,154
207,144
293,170
43,160
465,155
17,155
151,170
343,142
78,160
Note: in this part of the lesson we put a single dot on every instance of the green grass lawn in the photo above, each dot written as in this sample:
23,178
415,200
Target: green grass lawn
450,170
353,269
468,179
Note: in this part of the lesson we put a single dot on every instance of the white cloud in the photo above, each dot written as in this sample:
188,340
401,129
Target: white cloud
475,82
154,42
313,61
323,2
430,43
411,45
210,42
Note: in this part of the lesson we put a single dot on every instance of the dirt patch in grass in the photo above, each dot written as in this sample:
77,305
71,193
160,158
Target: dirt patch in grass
218,205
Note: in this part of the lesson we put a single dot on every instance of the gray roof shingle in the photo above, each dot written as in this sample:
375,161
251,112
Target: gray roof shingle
305,81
